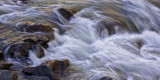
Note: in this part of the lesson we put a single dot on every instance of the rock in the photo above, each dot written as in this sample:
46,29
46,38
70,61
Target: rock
111,26
59,67
17,67
138,43
7,75
61,16
20,76
39,71
15,44
25,1
53,69
67,14
105,78
1,55
22,1
38,50
38,78
20,51
5,65
37,28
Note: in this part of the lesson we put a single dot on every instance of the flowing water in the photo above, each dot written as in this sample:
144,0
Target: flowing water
133,54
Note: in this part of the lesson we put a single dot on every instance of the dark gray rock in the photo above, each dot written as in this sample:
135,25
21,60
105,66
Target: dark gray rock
39,71
17,67
7,75
38,78
106,78
65,13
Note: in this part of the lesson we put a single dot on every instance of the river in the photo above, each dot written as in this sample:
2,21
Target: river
130,54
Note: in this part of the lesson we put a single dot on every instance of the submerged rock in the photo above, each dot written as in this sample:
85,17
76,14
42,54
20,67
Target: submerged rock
109,25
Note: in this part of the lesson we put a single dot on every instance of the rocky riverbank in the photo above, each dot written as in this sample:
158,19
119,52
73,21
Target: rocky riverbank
15,43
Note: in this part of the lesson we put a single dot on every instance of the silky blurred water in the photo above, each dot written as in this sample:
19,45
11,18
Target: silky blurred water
130,55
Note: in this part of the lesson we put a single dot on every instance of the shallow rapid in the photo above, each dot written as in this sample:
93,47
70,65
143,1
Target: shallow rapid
132,53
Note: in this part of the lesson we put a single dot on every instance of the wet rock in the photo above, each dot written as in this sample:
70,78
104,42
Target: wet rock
20,51
39,71
61,16
38,50
17,67
25,1
42,29
53,69
21,1
111,26
14,44
138,43
1,55
7,75
59,67
5,65
38,78
20,75
67,14
105,78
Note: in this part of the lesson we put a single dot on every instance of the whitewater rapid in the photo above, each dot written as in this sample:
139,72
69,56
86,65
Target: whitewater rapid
127,56
122,56
133,54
